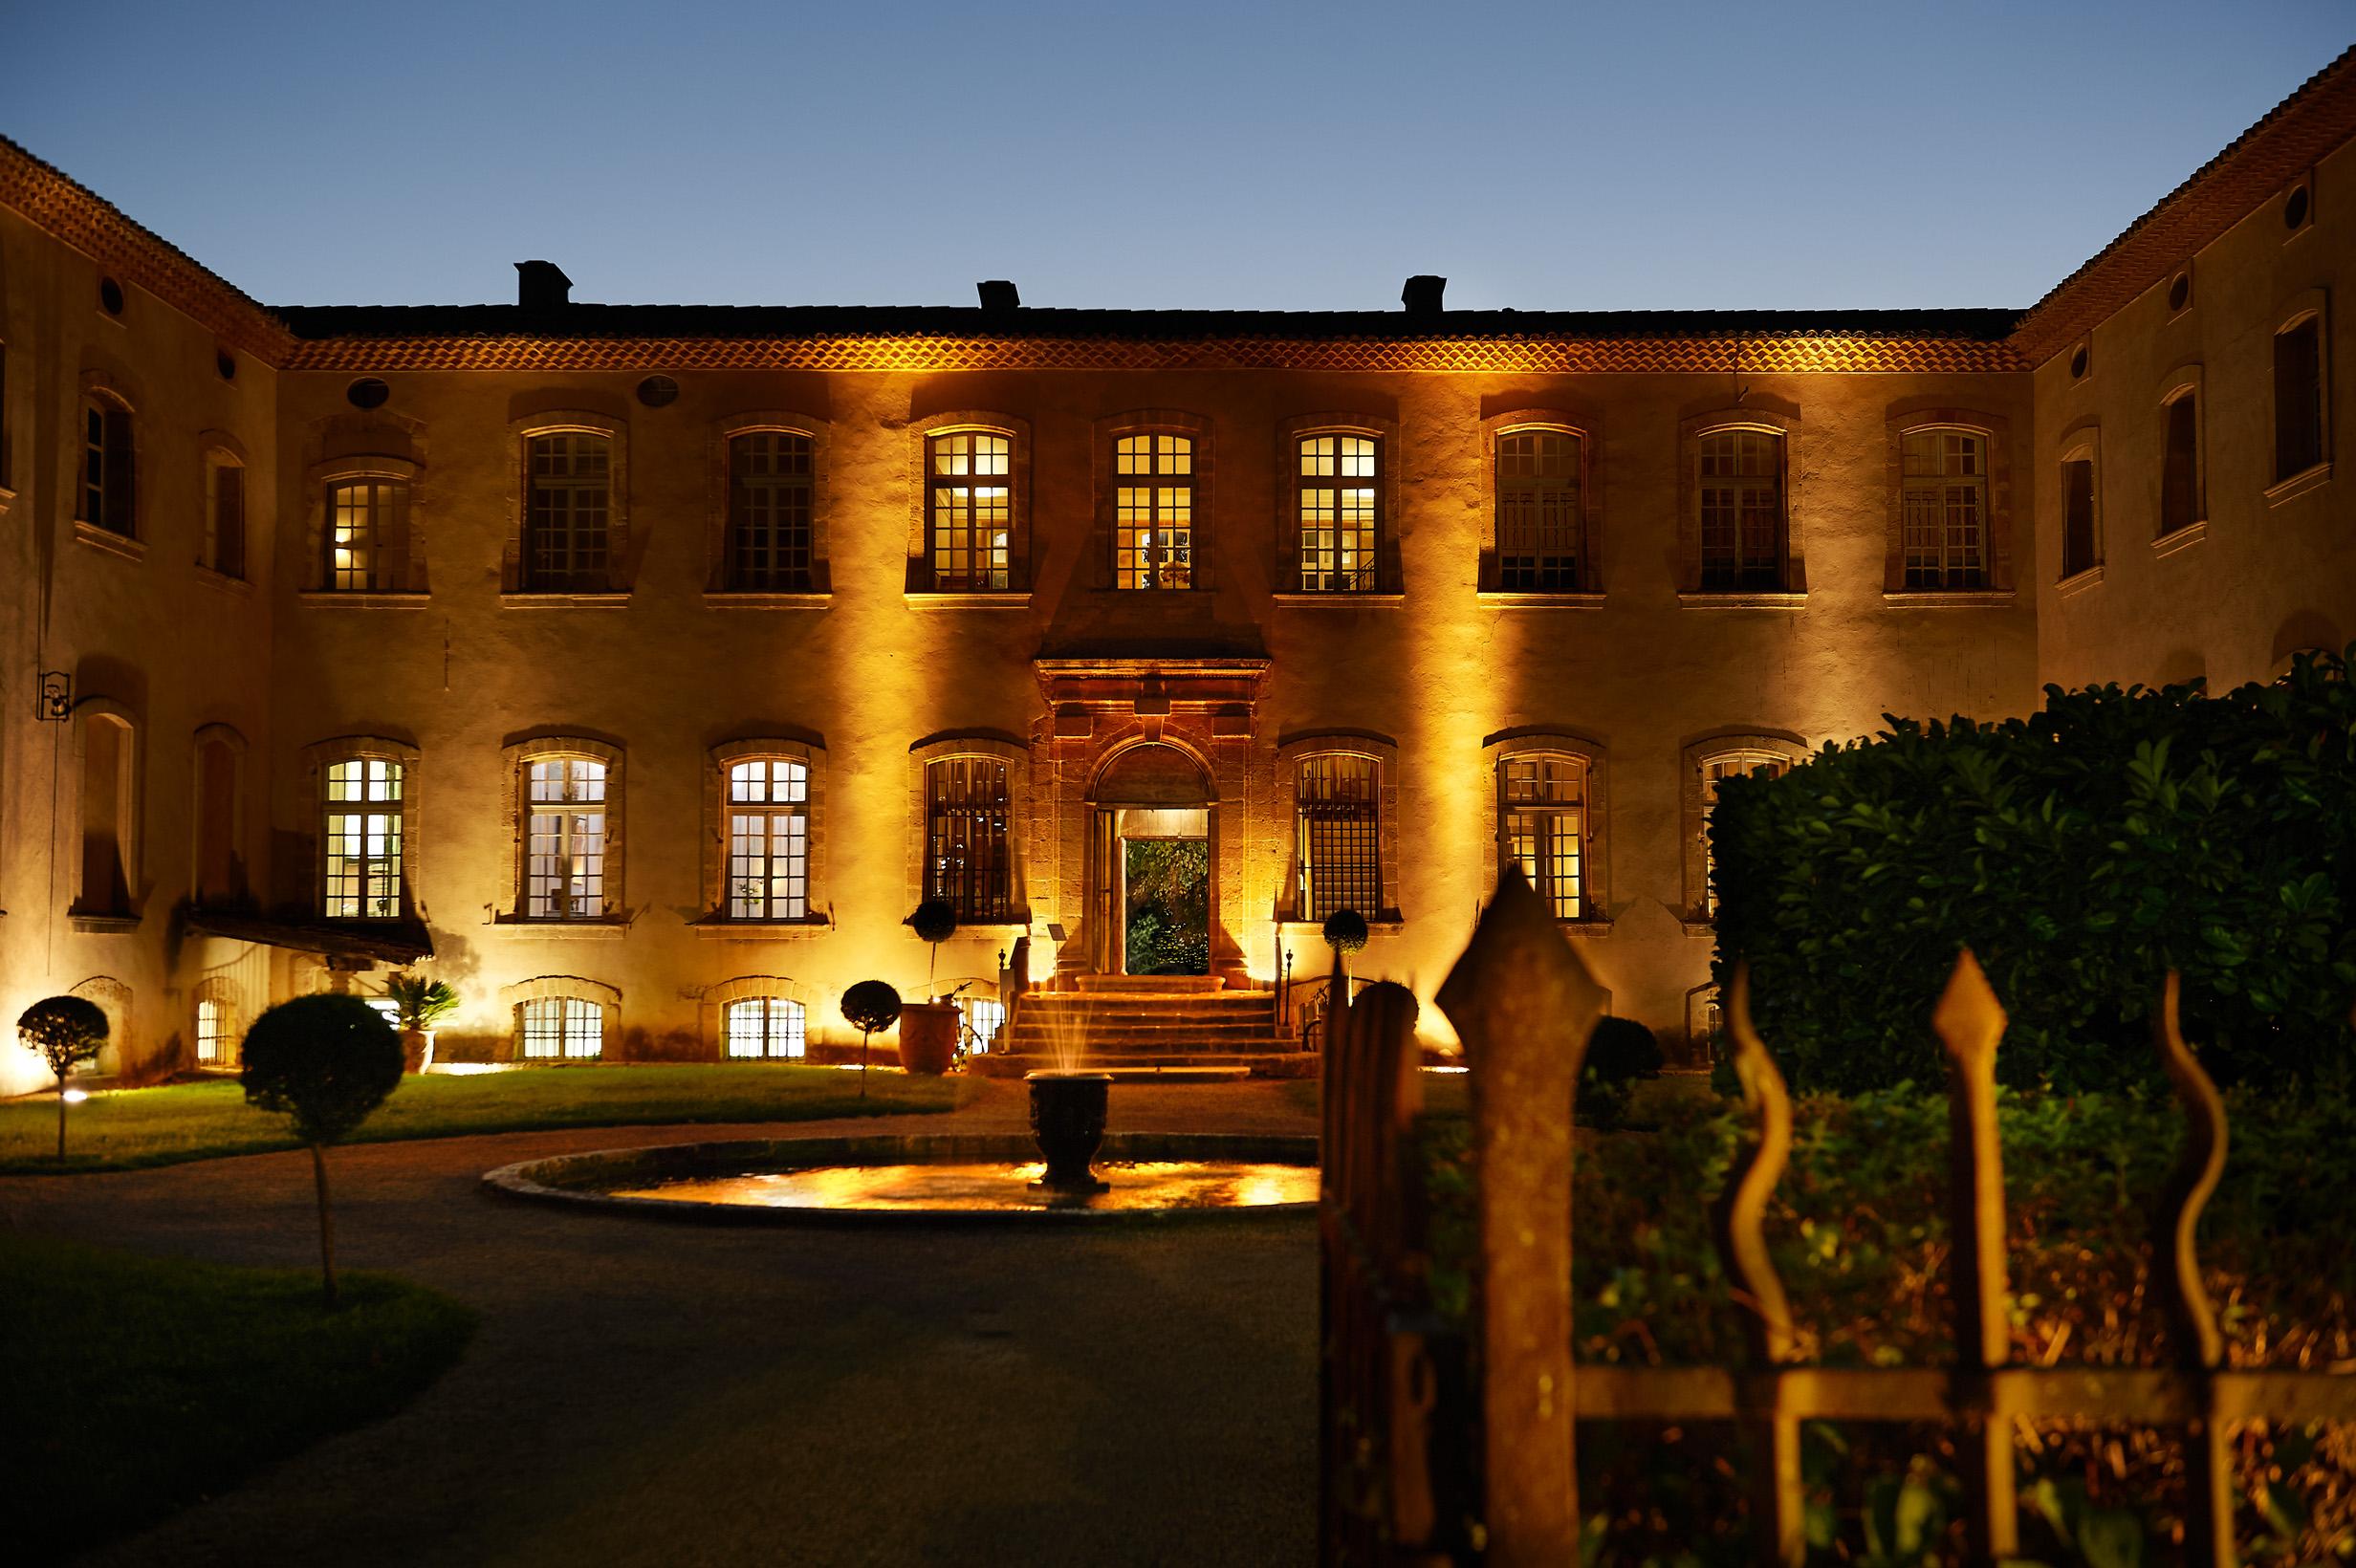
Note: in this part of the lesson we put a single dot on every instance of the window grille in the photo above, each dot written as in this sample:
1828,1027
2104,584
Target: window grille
367,526
1543,817
1337,514
984,1018
1741,498
768,839
1153,511
765,1029
1715,771
1943,507
563,1028
362,840
2298,398
1540,528
2078,537
215,1032
1341,860
968,813
564,867
2180,466
568,490
770,494
970,510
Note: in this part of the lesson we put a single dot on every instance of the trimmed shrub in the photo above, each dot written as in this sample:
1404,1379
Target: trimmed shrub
2081,854
64,1031
870,1007
327,1061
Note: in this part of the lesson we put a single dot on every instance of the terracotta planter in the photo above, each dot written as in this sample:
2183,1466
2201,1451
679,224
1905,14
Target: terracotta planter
416,1050
927,1037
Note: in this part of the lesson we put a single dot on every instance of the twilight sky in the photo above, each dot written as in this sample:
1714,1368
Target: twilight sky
1275,155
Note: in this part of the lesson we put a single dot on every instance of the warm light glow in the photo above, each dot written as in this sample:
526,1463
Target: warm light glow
74,1097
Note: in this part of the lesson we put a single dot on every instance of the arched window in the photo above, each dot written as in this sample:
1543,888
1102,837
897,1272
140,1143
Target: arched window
1543,826
770,508
109,830
2299,396
968,509
367,534
361,838
561,1029
1943,501
567,501
1153,511
2181,503
1339,487
220,873
224,515
565,840
969,814
768,876
216,1032
1740,486
1717,765
109,469
1338,835
1542,534
763,1029
2081,538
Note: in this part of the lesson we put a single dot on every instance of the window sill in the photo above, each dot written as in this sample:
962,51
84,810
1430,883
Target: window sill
103,924
2079,582
1521,599
722,599
565,930
759,930
535,600
1948,598
1734,599
1699,928
2296,484
106,540
1009,599
2191,534
1587,929
242,587
1343,602
357,598
8,500
1389,923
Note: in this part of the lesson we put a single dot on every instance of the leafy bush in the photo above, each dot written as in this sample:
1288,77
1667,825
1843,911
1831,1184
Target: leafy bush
63,1032
423,1003
326,1061
2081,854
869,1006
1619,1052
1344,931
934,922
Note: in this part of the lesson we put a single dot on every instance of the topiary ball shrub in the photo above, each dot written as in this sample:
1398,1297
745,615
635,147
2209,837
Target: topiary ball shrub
326,1061
870,1007
1622,1050
935,920
64,1031
1346,930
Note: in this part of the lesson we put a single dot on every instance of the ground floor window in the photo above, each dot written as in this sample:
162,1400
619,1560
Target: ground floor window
215,1033
983,1019
765,1029
567,1028
1341,866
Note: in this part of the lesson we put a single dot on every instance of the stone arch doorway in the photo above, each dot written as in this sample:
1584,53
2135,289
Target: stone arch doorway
1152,841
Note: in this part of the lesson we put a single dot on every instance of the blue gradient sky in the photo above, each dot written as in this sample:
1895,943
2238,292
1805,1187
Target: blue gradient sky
1273,156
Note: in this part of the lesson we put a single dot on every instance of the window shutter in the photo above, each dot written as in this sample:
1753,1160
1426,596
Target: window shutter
121,509
230,520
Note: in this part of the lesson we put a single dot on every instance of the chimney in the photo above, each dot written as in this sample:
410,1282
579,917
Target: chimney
1422,294
999,296
542,287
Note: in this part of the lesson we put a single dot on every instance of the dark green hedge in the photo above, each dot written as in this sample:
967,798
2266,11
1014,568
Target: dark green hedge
2081,853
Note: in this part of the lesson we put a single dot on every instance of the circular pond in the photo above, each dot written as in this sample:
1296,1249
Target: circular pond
928,1177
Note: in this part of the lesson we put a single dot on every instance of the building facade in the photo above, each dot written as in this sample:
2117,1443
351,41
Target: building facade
638,669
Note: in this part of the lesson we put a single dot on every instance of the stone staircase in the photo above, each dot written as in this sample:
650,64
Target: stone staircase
1146,1027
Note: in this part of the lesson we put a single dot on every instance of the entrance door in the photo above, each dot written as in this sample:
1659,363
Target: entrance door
1165,885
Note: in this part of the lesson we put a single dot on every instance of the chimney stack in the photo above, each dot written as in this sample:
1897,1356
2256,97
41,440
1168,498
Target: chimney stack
542,287
999,296
1422,294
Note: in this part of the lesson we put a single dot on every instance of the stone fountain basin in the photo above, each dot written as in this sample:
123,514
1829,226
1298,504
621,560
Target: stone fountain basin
585,1181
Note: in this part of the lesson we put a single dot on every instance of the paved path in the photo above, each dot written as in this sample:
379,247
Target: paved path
643,1392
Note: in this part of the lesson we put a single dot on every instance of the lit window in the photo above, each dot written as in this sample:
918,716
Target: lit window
362,840
1741,499
1943,507
107,469
564,866
1341,865
768,839
968,813
367,534
216,1032
983,1019
2298,398
567,492
563,1028
970,510
769,508
1153,511
2079,550
1542,815
225,517
2180,466
1716,769
1538,524
765,1029
1337,514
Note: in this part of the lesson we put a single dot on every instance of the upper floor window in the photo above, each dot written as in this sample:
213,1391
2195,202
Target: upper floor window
109,817
107,499
969,814
1740,486
220,869
770,506
367,534
567,506
1338,486
2180,482
1717,767
764,1028
1337,836
561,1028
767,874
1153,511
1943,501
224,515
2080,549
362,839
1540,528
970,510
564,866
1542,821
2299,396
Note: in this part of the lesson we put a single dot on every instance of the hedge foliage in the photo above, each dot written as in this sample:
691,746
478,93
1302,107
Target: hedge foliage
2081,853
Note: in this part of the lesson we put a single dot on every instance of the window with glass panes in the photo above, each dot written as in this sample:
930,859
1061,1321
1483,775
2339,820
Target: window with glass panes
1715,771
1338,514
564,851
1339,847
225,518
2298,398
1943,507
1542,815
106,496
567,497
2180,463
2081,547
1741,499
215,1036
362,841
562,1029
764,1028
984,1018
1153,511
968,813
768,839
968,509
1540,528
769,489
367,530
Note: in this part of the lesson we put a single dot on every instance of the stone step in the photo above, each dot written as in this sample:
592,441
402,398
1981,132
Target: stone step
1056,1038
1174,1068
1249,1007
1162,984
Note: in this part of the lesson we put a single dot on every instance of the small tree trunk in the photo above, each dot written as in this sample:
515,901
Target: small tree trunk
864,1035
61,1113
327,1224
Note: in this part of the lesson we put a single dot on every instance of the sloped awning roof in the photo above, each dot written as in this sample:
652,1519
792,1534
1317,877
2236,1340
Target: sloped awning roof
402,942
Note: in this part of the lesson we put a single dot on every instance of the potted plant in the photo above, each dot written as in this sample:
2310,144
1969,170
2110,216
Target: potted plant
867,1007
420,1003
929,1030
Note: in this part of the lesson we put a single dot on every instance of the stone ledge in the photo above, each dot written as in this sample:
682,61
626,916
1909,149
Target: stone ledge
109,541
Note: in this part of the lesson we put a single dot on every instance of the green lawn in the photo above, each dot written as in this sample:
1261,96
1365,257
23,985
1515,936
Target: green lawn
131,1128
138,1386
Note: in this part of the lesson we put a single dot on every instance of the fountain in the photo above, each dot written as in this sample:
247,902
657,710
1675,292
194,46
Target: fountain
1067,1123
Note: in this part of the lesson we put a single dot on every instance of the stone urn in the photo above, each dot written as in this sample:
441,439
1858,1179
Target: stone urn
927,1037
1067,1123
416,1050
